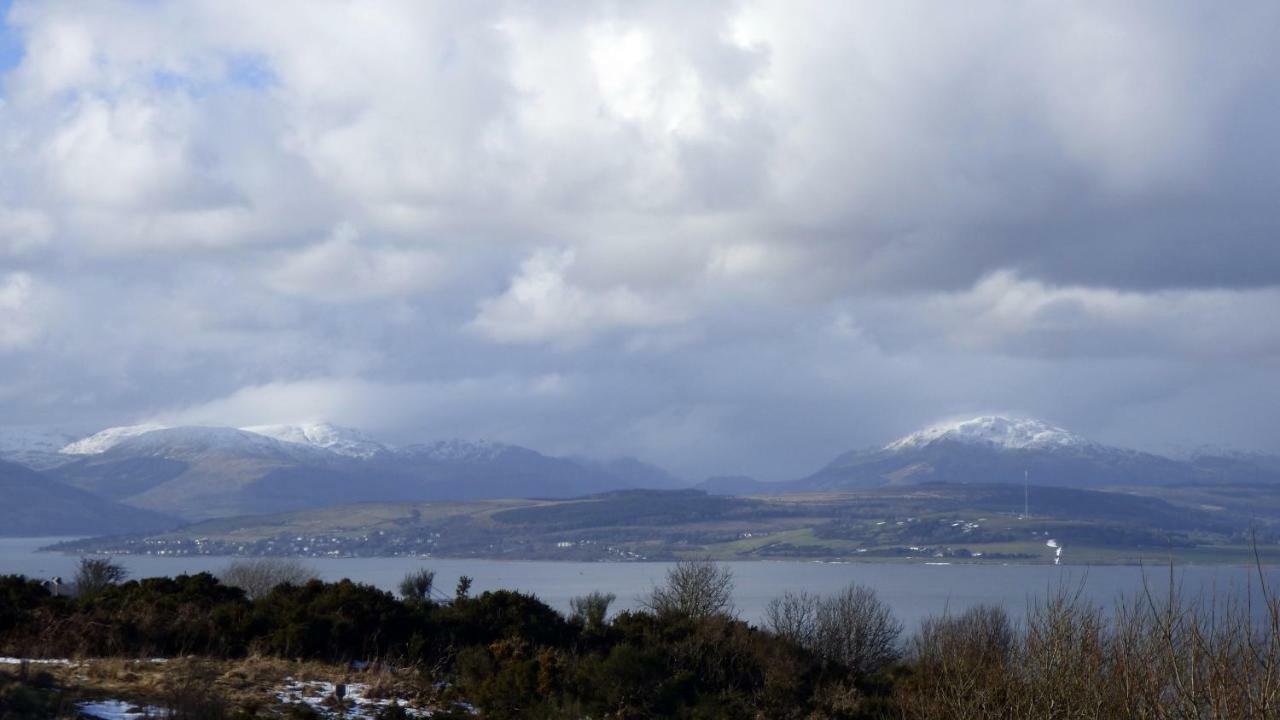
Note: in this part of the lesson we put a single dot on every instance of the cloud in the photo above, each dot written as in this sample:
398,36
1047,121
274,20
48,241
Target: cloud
735,236
23,232
543,304
23,305
1005,313
340,269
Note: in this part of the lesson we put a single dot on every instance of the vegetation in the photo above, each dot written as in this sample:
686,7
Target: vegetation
94,575
509,655
696,589
259,576
928,522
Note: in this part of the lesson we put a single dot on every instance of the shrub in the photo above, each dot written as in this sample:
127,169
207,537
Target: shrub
695,589
94,575
259,576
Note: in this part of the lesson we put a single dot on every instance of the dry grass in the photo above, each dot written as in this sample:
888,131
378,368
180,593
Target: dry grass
244,687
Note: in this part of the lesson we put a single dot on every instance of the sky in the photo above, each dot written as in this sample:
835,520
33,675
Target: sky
725,237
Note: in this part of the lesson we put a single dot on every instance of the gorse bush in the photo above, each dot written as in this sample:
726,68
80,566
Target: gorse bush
685,656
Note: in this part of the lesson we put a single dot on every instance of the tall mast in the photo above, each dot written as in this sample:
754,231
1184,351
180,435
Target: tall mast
1026,496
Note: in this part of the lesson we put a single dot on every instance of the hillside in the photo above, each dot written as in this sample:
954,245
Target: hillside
35,505
207,472
974,523
998,449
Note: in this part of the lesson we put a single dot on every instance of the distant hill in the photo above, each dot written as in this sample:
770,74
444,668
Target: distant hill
925,522
737,485
207,472
32,504
995,449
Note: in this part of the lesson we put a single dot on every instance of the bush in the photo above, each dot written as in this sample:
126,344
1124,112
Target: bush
852,628
695,589
417,585
94,575
259,576
591,610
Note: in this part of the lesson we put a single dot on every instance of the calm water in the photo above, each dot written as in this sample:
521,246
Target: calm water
914,591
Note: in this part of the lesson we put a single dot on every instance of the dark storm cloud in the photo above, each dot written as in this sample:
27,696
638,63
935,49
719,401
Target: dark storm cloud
734,237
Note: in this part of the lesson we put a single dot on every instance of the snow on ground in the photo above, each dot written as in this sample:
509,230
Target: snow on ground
103,441
19,661
319,695
1008,433
119,710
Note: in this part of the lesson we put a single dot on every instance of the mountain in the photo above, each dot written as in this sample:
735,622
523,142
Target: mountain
36,505
633,473
208,472
737,485
1225,466
34,447
106,439
997,449
343,441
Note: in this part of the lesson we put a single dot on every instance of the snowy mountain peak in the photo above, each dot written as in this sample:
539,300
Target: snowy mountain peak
189,442
103,441
340,440
1008,433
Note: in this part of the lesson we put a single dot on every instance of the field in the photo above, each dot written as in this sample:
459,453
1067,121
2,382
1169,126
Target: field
923,523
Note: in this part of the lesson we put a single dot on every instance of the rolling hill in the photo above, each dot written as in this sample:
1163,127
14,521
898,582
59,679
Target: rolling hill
35,505
207,472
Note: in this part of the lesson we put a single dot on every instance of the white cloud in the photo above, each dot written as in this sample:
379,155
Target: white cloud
543,304
23,231
1006,313
341,269
24,303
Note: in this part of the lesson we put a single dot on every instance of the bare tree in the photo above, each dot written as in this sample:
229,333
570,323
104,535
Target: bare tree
694,588
853,627
416,586
858,630
97,574
259,576
794,616
592,609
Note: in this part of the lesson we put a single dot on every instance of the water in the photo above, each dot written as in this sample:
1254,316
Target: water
914,591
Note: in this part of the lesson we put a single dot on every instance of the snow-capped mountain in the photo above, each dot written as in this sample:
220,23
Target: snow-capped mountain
204,472
184,443
999,449
104,440
344,441
1008,433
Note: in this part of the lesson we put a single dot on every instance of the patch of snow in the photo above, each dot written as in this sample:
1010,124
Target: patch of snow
340,440
119,710
194,442
103,441
994,430
32,661
355,705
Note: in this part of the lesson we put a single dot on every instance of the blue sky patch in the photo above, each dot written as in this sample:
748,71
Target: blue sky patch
10,43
